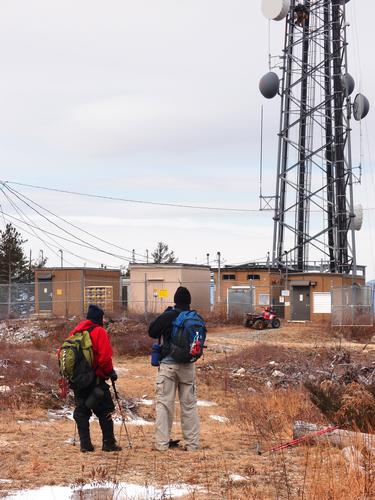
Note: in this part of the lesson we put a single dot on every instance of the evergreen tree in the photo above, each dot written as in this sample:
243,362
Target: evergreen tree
13,262
162,255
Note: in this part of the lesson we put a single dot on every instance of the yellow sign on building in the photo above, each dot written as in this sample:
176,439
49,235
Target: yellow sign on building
163,293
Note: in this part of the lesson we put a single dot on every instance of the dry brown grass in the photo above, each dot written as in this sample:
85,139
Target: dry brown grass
259,417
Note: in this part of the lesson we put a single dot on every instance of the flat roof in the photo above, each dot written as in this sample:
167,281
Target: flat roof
176,264
102,269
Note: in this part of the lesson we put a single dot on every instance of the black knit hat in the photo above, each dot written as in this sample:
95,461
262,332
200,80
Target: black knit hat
95,314
182,296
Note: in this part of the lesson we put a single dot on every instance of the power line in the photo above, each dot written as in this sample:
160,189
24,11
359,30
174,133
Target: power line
66,239
146,202
28,222
84,259
18,195
142,202
82,242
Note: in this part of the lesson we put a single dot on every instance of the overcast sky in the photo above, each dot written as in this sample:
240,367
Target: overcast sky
153,100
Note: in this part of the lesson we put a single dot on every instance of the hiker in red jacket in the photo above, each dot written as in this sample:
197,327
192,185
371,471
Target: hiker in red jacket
96,398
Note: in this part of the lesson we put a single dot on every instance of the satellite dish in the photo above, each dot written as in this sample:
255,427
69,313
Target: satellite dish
275,9
361,107
348,83
269,85
357,221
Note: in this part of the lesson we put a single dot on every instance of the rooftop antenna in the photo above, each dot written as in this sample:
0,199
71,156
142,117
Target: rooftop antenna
314,213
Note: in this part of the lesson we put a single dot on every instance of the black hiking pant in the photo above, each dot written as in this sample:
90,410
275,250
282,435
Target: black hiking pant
102,410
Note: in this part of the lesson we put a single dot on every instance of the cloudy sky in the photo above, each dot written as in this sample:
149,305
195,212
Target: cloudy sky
153,100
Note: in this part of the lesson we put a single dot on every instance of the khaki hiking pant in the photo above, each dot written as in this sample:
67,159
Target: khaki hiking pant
170,378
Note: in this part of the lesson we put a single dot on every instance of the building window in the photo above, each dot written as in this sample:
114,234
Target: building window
229,277
264,299
253,276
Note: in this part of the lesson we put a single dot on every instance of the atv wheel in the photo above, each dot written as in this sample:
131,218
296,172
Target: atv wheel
258,325
247,323
276,323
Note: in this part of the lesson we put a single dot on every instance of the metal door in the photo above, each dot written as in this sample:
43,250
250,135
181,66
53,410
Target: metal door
240,301
45,294
301,303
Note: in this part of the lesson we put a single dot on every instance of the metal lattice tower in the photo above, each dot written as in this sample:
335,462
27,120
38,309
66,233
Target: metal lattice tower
314,211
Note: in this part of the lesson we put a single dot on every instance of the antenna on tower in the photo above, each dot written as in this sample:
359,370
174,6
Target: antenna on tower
314,214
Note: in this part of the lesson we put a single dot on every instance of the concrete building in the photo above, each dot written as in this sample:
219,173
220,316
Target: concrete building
68,291
152,286
295,296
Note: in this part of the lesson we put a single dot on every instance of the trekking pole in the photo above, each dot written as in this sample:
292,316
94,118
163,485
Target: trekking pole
122,414
75,433
298,441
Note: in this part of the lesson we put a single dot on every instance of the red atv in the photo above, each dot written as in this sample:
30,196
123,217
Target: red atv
267,319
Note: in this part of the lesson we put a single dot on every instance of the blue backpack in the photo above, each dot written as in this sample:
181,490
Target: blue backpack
188,337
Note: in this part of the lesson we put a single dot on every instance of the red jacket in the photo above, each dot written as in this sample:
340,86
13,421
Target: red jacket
101,347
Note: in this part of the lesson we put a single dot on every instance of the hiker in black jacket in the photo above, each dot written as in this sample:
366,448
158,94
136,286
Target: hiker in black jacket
172,376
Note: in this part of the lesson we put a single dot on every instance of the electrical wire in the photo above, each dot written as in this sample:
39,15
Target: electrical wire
63,238
29,223
19,195
145,202
84,259
126,200
80,240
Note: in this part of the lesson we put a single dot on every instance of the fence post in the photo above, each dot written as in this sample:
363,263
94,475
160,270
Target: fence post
146,311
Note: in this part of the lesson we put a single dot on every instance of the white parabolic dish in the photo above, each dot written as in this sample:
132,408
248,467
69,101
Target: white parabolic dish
275,9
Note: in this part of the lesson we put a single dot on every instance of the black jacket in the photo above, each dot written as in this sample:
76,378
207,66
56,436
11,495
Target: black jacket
161,327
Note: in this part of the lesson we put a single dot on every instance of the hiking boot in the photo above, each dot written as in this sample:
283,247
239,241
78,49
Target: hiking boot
189,448
173,443
111,446
86,446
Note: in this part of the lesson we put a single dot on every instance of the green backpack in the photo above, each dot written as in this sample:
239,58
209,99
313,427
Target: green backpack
76,357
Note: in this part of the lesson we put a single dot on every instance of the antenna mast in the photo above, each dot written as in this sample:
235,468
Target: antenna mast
314,214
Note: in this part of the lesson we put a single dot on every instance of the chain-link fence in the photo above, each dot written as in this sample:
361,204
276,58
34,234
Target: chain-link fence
352,306
347,306
17,300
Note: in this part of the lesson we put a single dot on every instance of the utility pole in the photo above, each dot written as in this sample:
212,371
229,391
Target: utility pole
133,256
62,258
208,259
219,277
147,256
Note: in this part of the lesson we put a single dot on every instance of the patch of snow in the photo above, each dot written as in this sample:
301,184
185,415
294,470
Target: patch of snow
237,478
206,404
218,418
138,421
71,441
120,491
146,402
4,388
65,412
4,481
4,363
18,335
240,372
27,361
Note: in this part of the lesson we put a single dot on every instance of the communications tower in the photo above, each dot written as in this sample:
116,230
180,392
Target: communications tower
315,218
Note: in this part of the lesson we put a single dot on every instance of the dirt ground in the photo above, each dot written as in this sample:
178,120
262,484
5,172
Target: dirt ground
243,419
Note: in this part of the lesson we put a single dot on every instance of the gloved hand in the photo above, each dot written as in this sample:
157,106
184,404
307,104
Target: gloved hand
113,376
